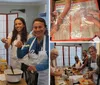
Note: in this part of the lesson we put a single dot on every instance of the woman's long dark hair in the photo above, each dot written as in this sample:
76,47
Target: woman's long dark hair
23,31
43,21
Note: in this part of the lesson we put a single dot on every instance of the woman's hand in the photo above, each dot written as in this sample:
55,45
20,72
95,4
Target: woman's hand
53,29
19,44
90,18
60,20
31,68
90,73
93,12
4,40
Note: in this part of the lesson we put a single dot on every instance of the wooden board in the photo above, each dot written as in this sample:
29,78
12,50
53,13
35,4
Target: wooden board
84,81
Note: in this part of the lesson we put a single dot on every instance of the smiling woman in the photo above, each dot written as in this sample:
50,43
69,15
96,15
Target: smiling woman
18,34
38,51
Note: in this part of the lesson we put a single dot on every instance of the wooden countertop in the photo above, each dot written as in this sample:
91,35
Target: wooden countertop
22,82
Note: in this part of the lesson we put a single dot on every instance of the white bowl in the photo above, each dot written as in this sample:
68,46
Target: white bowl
10,77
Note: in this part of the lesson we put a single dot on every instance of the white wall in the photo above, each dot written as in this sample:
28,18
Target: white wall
31,12
45,9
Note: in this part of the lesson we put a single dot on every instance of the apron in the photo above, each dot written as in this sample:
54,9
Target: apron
38,59
14,61
75,26
95,76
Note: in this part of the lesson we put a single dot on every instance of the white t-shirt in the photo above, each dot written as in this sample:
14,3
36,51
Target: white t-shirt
13,51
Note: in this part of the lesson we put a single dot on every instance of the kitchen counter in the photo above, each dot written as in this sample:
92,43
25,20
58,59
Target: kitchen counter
22,82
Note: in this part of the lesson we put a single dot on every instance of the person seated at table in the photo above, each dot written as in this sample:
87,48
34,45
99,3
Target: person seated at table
77,63
53,71
84,66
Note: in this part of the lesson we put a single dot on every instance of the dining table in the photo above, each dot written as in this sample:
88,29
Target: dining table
76,78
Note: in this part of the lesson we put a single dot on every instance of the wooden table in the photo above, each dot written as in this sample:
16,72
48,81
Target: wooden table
22,82
84,81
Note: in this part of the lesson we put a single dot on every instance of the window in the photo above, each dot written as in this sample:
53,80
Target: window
59,58
6,26
72,55
67,54
66,57
2,34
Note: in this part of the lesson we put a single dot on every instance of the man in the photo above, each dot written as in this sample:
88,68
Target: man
53,71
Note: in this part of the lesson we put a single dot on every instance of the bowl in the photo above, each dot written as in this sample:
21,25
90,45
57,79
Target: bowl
13,78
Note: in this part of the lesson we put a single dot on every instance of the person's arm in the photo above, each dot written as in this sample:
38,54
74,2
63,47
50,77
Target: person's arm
96,22
53,72
92,19
94,12
65,11
52,5
7,40
56,73
53,30
21,52
84,65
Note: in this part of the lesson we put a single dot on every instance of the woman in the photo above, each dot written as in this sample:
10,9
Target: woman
77,63
94,64
84,66
18,34
38,49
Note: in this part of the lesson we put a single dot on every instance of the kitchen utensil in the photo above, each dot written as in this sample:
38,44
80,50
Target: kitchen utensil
12,69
